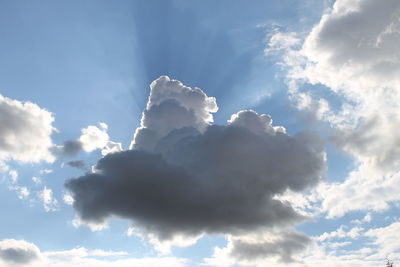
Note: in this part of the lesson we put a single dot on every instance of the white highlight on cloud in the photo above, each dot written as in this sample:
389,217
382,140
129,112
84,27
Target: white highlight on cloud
111,147
49,202
25,133
259,124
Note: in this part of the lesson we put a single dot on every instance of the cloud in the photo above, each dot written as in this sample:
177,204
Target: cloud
92,138
386,238
18,252
22,253
49,202
172,105
199,178
341,233
69,149
25,133
79,164
371,249
365,188
283,245
13,176
68,199
353,52
36,180
45,171
22,191
111,147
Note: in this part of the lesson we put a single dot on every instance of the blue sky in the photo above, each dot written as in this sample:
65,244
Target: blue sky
100,92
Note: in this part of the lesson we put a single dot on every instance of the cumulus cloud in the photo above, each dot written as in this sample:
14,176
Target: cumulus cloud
92,138
353,51
172,105
184,176
25,133
18,252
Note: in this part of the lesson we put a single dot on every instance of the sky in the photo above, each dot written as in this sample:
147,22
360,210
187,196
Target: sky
199,133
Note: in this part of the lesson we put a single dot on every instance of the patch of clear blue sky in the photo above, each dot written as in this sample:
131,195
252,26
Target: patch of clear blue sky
90,61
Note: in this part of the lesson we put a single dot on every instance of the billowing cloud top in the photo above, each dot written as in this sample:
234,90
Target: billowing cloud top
172,105
186,176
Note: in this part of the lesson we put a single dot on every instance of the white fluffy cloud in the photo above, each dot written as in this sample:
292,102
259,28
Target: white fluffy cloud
386,238
353,51
93,138
25,133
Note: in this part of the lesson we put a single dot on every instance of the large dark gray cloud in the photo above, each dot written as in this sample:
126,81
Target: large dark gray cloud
18,252
184,175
